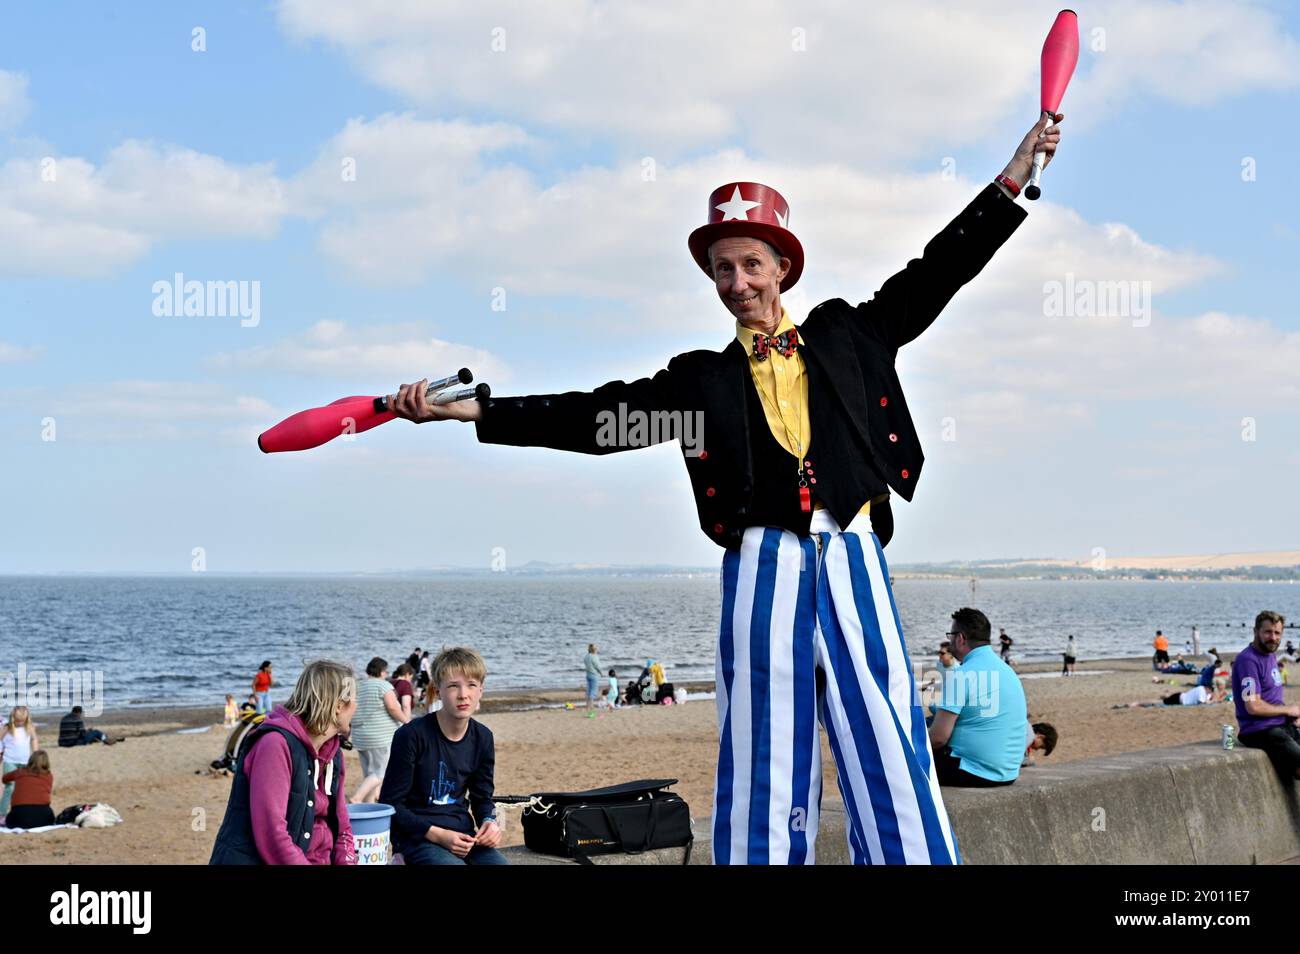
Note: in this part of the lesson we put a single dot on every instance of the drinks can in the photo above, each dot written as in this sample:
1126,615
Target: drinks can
1228,741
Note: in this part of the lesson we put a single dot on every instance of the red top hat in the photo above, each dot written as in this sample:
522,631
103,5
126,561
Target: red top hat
751,210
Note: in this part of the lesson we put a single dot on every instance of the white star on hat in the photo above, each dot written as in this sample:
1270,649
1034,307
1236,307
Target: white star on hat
781,219
736,207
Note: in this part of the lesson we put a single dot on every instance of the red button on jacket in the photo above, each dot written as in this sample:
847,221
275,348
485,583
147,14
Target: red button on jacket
884,401
905,475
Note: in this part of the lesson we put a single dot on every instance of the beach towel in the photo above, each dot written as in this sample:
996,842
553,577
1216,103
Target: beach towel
32,831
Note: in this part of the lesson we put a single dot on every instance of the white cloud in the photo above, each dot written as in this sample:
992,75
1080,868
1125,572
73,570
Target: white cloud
64,216
392,353
12,353
13,99
140,410
680,75
1186,52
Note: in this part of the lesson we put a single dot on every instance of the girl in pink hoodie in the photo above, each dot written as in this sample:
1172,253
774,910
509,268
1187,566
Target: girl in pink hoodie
286,803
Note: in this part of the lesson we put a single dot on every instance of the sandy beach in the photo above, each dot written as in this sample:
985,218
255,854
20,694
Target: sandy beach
172,805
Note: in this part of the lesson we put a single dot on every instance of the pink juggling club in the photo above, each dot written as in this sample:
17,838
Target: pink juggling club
352,415
1060,55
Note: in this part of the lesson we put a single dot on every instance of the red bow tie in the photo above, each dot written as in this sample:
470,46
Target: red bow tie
785,343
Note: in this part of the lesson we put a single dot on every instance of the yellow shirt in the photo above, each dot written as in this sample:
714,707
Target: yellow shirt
782,385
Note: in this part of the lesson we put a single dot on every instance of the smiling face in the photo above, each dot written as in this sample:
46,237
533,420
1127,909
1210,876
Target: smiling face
460,694
748,280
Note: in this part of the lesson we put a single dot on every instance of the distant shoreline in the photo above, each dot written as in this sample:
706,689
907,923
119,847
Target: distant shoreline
177,716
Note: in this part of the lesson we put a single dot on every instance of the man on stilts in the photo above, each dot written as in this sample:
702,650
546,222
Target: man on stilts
805,432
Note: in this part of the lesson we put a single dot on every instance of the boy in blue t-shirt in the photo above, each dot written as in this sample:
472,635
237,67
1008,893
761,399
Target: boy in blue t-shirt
439,777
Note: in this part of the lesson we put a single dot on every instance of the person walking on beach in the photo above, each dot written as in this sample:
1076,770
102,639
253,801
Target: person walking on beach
17,743
262,683
1006,643
1071,653
794,438
591,667
231,714
286,803
378,715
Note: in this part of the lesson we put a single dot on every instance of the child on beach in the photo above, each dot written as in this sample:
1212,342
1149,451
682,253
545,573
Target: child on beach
286,801
17,741
32,784
232,712
440,774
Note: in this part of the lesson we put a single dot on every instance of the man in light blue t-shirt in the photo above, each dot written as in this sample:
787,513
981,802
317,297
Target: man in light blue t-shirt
978,735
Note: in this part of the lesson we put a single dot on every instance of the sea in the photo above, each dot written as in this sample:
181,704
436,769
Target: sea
159,640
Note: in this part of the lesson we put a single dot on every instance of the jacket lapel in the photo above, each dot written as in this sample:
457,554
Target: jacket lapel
831,350
723,385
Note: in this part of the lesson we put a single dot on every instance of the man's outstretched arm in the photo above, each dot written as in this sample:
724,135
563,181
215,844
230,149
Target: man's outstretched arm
614,417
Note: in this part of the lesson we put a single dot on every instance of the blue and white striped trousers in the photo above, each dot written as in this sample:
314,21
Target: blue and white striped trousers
810,634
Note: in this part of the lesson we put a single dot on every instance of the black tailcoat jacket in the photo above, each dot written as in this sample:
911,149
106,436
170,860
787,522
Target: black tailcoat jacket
862,434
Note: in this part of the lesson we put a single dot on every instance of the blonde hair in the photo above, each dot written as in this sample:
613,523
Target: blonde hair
318,692
26,722
459,659
39,762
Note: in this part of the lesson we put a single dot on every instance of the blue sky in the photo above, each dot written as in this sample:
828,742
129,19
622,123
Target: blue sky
521,168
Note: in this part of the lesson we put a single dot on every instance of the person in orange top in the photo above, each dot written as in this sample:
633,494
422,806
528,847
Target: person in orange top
262,683
30,805
1162,650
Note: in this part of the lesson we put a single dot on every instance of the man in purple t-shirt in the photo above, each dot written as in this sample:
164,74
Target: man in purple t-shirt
1266,722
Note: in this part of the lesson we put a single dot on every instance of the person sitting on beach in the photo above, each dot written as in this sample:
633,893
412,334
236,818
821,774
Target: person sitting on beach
378,716
73,731
1264,719
32,784
248,705
440,775
286,802
978,734
1039,737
